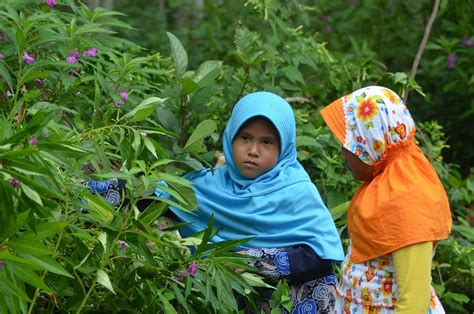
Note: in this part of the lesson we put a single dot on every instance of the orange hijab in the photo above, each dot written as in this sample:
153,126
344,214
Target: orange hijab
405,203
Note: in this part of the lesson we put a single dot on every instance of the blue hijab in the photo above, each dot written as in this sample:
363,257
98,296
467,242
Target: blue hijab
279,208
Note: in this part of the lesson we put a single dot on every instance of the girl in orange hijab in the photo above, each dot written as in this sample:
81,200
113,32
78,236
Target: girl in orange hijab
397,214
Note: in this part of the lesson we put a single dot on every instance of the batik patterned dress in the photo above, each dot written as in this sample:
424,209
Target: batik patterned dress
313,296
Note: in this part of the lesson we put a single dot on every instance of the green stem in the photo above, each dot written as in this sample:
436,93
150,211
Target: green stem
104,263
56,248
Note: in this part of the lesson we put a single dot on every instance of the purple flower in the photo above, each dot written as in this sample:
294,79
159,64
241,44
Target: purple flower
193,268
122,245
465,41
180,276
323,18
71,59
92,52
29,59
33,140
39,81
123,94
328,28
118,104
2,264
50,3
74,54
451,60
2,56
15,181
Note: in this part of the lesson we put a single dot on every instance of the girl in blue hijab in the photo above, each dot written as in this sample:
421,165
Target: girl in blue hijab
264,193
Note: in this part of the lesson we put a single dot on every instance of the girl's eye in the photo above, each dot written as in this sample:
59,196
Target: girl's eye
268,142
244,137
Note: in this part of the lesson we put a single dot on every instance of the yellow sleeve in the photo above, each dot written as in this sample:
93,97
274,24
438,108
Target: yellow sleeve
413,274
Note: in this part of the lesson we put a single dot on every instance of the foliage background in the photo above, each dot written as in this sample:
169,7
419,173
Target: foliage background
182,65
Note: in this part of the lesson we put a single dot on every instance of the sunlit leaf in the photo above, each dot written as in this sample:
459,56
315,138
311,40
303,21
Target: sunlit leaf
104,280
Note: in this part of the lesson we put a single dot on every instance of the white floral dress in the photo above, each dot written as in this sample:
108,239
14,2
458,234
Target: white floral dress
371,287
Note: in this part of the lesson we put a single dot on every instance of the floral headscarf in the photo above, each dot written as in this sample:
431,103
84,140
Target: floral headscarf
405,203
375,118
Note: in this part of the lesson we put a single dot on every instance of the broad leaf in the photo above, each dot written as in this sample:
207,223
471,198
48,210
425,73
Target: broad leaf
144,109
179,55
203,130
104,280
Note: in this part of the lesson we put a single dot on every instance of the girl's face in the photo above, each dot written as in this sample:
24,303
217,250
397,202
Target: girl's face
360,170
256,147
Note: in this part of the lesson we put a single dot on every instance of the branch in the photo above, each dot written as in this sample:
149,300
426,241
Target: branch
422,46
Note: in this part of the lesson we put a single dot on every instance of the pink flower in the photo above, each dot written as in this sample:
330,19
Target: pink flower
33,140
71,59
2,264
51,3
123,94
122,245
15,181
92,52
193,268
29,59
2,56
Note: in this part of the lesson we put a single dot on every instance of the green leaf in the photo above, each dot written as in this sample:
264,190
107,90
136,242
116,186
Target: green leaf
179,55
6,75
207,72
136,141
13,224
20,40
144,109
174,179
293,74
32,194
189,85
104,280
49,264
304,140
45,230
255,280
29,246
64,148
168,308
28,276
103,239
150,147
152,213
101,210
340,209
10,288
203,130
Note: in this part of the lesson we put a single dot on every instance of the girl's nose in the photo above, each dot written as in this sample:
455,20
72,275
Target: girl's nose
253,150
